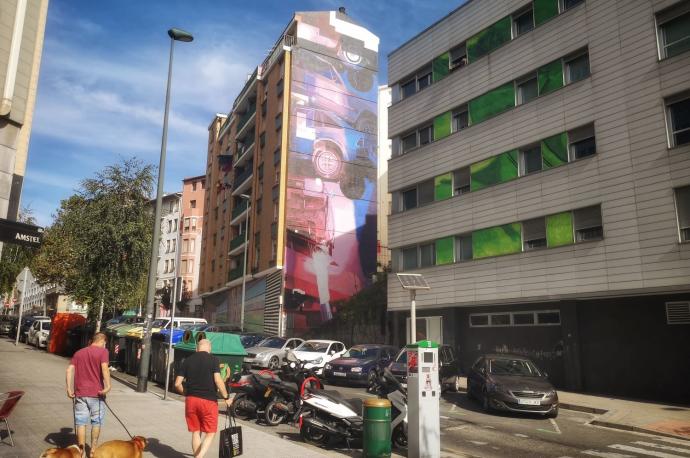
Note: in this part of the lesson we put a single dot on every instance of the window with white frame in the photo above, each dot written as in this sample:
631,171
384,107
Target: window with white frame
678,119
458,56
527,89
416,83
426,255
530,159
425,192
682,197
463,248
581,142
409,199
409,258
521,318
565,5
587,224
461,119
533,234
673,30
461,181
523,21
576,67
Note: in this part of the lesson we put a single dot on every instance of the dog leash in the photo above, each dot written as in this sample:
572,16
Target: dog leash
116,417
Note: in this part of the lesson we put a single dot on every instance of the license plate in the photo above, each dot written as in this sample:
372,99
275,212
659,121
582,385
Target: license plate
340,374
268,392
529,402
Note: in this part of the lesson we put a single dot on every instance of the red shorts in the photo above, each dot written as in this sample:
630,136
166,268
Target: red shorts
201,414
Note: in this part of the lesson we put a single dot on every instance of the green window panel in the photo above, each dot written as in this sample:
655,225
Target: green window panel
494,170
442,125
489,39
445,249
550,77
544,10
440,67
443,186
492,103
559,229
495,241
554,151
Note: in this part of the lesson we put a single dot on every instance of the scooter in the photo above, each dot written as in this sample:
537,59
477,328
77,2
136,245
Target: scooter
253,393
286,394
386,386
327,419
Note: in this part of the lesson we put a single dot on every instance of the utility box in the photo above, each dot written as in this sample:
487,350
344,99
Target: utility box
423,400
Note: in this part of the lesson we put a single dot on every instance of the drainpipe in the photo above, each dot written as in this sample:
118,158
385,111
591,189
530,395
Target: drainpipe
15,46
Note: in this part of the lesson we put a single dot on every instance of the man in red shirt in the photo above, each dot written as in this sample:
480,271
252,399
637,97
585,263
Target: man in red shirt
89,369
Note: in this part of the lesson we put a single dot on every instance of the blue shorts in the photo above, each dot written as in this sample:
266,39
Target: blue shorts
89,409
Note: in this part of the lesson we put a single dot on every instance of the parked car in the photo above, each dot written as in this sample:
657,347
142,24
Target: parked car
270,352
27,322
449,370
359,364
511,383
250,339
164,323
318,353
7,324
38,333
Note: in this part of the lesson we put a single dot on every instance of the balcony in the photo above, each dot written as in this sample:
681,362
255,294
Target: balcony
246,120
242,180
239,209
243,153
235,273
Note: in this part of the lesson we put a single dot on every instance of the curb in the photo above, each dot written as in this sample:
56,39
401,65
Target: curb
579,408
636,429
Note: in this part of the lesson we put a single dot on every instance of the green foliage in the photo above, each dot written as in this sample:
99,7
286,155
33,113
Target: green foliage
14,258
367,306
99,246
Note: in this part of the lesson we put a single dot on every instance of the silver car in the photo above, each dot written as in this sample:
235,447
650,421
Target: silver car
270,352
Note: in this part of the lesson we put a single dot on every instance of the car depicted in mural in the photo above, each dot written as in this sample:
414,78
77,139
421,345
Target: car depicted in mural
270,352
318,353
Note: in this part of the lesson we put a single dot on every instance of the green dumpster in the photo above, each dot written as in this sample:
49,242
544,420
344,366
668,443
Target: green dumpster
226,347
377,428
132,354
117,343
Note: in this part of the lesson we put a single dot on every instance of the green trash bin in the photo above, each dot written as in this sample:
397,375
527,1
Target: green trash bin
226,347
132,355
377,428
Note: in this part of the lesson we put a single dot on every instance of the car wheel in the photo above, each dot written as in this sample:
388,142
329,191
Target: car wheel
553,413
456,385
274,363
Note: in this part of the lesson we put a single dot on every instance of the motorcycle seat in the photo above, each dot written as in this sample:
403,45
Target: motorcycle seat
353,404
291,386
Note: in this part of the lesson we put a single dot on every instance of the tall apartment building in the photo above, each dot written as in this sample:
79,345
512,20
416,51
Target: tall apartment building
291,181
541,184
169,239
22,25
189,253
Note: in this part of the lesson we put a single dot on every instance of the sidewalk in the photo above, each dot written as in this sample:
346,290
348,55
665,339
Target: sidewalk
43,417
647,417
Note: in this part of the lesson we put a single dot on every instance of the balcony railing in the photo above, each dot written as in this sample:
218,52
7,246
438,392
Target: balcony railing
242,176
244,118
235,273
239,208
236,242
285,40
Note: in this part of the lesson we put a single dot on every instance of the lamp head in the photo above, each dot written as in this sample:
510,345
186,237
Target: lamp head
180,35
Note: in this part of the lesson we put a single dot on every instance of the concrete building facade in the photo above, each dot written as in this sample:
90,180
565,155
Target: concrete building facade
291,181
541,184
189,253
168,248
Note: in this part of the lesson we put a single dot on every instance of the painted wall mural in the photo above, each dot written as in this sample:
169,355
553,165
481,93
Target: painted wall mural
331,181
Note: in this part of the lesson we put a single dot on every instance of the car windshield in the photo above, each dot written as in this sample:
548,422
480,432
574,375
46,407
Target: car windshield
45,325
361,353
316,347
249,341
272,342
194,327
506,366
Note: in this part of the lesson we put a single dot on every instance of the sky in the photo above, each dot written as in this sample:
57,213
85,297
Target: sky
101,90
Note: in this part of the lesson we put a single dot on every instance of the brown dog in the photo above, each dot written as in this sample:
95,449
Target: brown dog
72,451
121,449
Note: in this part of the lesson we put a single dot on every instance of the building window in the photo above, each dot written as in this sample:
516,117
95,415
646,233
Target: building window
183,264
678,313
523,21
478,320
174,245
409,142
674,30
549,317
264,108
426,255
530,159
167,265
408,88
275,211
460,119
276,157
458,56
417,82
463,248
186,224
409,199
409,258
274,250
260,171
461,181
426,135
522,318
581,142
683,212
576,67
262,139
213,265
587,224
167,246
279,121
192,204
275,192
533,234
279,87
192,245
527,89
678,120
194,186
194,222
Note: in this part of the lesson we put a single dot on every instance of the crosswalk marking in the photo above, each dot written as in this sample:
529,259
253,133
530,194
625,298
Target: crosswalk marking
672,441
606,454
663,447
642,451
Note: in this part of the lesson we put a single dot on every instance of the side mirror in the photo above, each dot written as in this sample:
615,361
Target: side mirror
332,352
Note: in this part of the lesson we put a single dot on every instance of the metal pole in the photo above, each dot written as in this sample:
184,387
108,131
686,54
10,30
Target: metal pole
142,378
100,317
21,307
413,317
244,267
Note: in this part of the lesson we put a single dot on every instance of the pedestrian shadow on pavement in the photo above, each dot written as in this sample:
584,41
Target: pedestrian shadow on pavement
64,438
161,450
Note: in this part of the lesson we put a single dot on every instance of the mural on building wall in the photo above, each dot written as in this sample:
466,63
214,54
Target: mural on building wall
331,183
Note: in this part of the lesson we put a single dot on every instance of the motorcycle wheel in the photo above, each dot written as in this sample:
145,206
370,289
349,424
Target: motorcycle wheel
238,408
399,437
273,416
313,436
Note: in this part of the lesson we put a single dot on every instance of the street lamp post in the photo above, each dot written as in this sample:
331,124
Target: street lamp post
413,282
142,379
246,198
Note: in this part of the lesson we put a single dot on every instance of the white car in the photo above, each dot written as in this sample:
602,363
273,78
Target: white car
38,333
319,352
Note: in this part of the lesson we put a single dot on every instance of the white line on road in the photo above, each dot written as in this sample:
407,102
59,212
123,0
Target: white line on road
479,443
642,451
452,409
606,454
488,427
671,440
663,447
555,426
521,435
445,418
455,428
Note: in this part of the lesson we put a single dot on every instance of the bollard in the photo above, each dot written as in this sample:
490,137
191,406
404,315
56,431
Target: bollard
377,428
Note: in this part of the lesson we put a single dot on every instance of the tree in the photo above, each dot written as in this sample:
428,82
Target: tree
99,246
13,258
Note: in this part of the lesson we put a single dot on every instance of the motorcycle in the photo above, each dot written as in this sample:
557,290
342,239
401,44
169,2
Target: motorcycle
386,386
286,394
253,392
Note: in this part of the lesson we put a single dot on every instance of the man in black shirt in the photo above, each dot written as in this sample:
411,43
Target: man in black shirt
201,378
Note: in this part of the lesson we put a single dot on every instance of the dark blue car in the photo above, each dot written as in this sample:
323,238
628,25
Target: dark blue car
357,365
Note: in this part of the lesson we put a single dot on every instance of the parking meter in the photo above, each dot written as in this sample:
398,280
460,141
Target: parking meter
423,399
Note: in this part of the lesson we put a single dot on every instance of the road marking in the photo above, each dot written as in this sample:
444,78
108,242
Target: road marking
546,431
455,428
555,426
452,409
479,443
671,441
663,447
445,418
642,451
606,454
521,435
488,427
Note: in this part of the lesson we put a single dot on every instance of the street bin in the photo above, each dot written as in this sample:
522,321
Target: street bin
132,349
377,428
117,343
226,347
